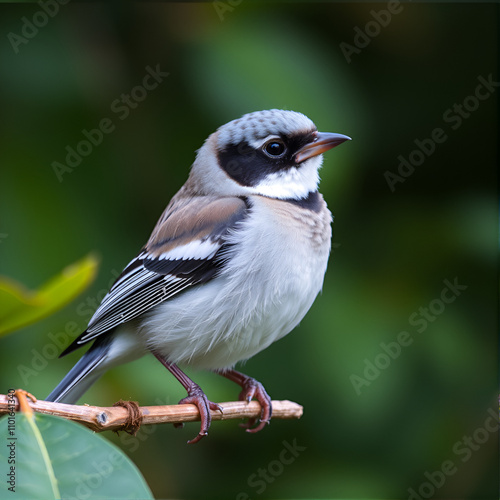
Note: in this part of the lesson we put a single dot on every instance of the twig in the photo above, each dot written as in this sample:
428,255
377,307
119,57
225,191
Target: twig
116,417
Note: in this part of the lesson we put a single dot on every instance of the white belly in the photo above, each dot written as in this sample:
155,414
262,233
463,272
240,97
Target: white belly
276,271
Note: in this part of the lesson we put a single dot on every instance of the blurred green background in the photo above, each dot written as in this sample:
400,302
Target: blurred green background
392,250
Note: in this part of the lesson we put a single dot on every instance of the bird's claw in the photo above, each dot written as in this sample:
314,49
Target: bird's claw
198,437
198,398
254,389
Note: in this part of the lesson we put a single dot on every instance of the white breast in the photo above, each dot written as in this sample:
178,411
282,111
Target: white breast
276,269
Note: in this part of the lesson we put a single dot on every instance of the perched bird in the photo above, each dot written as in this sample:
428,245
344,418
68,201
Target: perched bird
234,263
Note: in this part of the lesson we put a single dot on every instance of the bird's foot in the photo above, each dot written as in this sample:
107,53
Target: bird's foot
197,397
251,389
254,389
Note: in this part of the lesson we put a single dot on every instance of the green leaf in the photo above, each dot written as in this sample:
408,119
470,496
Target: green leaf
20,307
56,458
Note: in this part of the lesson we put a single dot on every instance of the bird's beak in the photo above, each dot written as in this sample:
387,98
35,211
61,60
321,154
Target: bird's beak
322,142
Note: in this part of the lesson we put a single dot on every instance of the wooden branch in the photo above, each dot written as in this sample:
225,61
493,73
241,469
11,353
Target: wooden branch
115,418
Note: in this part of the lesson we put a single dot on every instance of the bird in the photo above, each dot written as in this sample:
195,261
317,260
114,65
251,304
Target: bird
233,264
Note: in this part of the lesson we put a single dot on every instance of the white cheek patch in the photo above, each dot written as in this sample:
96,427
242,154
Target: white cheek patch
295,183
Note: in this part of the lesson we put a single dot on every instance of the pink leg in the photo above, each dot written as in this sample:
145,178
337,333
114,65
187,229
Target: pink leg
251,389
195,396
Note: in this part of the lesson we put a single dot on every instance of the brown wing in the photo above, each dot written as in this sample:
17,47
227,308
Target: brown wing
186,248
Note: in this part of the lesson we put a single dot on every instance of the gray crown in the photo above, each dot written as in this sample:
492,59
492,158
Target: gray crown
259,124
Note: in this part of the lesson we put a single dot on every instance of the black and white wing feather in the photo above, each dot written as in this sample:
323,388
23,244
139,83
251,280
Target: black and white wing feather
187,247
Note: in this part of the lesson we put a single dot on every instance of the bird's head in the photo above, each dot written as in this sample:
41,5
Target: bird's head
273,153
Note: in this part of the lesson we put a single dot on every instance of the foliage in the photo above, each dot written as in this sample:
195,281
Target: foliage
20,307
54,458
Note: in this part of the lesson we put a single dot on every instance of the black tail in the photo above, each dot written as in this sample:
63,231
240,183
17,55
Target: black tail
79,379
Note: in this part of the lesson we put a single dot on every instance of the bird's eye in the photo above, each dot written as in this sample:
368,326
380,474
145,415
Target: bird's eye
274,147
